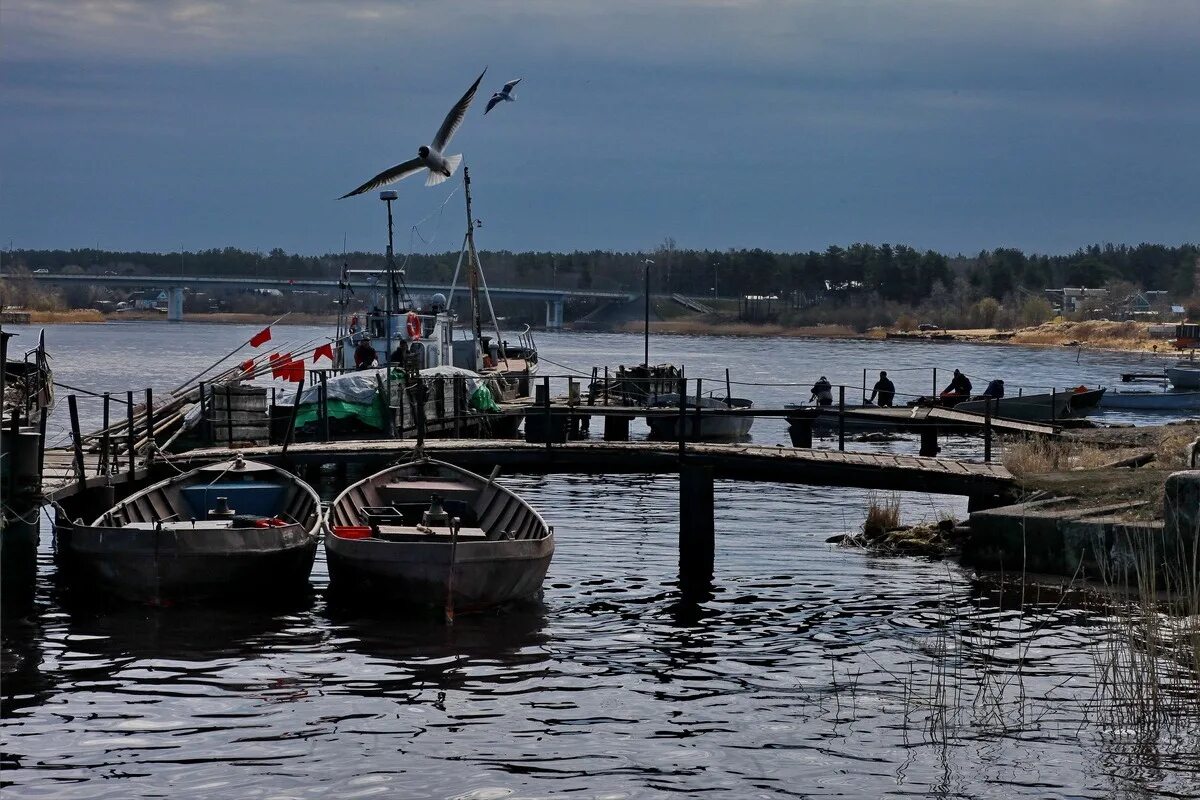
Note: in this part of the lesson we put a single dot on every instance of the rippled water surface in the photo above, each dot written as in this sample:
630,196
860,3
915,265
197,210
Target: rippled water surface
810,671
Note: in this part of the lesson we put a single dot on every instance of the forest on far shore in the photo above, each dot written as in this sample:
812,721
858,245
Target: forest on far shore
859,285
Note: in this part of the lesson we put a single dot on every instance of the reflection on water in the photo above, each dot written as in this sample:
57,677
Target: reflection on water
809,670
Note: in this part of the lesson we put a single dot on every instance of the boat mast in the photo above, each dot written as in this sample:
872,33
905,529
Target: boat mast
472,269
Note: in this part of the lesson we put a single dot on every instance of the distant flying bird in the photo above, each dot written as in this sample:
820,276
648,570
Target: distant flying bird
502,95
429,156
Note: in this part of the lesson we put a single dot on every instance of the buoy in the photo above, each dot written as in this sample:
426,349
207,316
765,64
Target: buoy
413,325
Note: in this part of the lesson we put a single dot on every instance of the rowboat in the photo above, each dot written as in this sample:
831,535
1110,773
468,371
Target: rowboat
1042,407
428,533
1152,400
223,530
704,426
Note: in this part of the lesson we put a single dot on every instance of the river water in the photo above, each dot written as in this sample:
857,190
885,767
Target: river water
810,671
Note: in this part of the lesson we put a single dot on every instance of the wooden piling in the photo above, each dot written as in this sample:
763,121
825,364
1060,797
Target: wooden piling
76,441
129,441
842,417
697,532
681,423
929,445
616,429
150,418
987,431
102,466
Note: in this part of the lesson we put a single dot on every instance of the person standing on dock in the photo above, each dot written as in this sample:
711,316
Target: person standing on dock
822,392
365,355
885,389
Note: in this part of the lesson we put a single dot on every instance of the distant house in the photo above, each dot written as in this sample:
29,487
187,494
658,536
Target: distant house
1070,300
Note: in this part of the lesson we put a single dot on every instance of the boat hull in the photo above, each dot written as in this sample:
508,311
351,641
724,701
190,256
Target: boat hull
1152,401
1027,408
486,574
168,567
1184,377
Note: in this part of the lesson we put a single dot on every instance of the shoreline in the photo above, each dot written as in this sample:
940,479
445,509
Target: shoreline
1126,337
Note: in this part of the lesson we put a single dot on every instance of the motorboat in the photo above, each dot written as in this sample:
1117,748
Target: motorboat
428,533
1040,407
223,530
702,426
1184,375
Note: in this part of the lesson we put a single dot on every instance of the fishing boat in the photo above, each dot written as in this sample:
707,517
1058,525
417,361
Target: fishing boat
1184,375
1041,407
220,531
1149,400
419,335
427,533
702,426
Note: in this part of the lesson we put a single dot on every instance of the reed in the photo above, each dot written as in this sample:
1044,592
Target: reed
883,514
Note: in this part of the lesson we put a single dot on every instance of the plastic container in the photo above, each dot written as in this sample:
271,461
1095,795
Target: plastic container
352,531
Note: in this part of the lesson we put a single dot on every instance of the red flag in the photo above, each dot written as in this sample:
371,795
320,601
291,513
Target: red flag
294,371
248,365
324,350
262,337
279,364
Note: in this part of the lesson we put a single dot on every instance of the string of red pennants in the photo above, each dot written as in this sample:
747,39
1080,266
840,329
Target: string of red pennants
284,365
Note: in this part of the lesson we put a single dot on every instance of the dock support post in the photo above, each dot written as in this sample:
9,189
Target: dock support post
616,429
175,304
842,417
681,423
102,467
929,445
324,406
150,419
76,441
987,431
934,394
548,418
696,529
695,432
129,435
229,416
1053,403
801,432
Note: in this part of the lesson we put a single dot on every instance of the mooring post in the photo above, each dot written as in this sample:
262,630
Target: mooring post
696,528
695,432
592,388
324,405
547,418
842,417
606,385
616,429
150,418
681,423
935,392
929,445
864,387
102,466
42,441
129,435
987,431
1053,403
459,386
287,435
76,441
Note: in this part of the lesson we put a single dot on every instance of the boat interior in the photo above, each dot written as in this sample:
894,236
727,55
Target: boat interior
415,502
218,497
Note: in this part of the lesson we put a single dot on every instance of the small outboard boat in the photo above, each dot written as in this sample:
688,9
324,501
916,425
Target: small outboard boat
428,533
224,530
708,426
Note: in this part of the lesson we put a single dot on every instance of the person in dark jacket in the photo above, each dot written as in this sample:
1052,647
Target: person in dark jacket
884,389
365,355
959,387
822,392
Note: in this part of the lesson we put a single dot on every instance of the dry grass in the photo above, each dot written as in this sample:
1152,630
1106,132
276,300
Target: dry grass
1029,457
883,514
59,317
1094,333
711,326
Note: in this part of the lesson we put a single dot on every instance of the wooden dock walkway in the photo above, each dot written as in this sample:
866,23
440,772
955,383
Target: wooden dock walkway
733,461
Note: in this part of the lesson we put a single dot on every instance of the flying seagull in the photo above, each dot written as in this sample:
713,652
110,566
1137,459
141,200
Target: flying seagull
502,95
429,156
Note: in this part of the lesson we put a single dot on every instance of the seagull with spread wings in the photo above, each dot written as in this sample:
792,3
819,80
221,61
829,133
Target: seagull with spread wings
502,95
429,157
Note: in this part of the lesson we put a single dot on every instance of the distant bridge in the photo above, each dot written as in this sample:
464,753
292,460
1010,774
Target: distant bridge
175,284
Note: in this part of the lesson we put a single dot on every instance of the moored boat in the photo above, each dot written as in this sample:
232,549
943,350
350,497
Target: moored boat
428,533
1041,407
707,426
1184,375
1170,400
223,530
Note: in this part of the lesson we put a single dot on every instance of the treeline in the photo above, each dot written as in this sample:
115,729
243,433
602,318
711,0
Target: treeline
893,273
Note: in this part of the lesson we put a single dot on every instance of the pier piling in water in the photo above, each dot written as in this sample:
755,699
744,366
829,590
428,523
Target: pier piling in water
697,532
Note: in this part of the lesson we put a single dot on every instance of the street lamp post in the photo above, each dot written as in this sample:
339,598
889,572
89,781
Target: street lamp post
716,279
646,268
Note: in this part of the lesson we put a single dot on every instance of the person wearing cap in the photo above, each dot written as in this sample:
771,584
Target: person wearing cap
884,389
365,355
959,387
822,392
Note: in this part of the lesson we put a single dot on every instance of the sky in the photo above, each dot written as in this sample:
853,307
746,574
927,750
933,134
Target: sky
955,125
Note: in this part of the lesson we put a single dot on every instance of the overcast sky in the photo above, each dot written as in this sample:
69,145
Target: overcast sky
949,124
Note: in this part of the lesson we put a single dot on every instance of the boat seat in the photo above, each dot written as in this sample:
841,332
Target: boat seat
406,533
254,498
420,491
